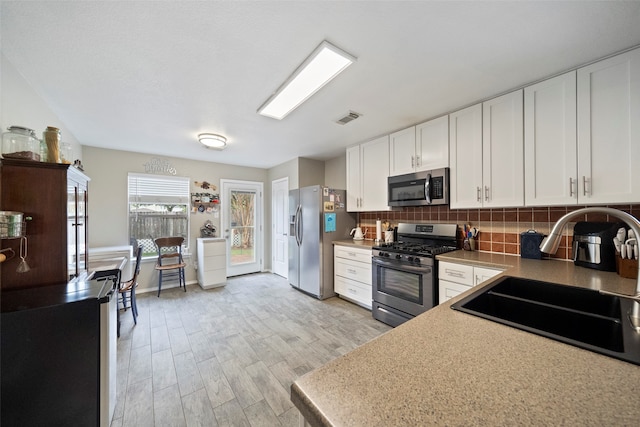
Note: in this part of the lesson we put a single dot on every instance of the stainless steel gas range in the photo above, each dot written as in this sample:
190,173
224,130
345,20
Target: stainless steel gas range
405,281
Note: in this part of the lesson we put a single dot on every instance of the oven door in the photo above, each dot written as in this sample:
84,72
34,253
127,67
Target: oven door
403,287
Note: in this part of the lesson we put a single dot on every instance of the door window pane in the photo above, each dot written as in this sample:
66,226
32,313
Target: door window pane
243,220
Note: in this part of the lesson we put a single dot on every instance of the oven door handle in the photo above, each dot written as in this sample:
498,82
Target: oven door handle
405,267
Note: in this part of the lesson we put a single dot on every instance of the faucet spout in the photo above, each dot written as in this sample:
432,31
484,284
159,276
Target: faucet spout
551,243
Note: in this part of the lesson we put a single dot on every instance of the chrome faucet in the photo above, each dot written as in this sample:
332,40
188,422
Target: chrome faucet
550,245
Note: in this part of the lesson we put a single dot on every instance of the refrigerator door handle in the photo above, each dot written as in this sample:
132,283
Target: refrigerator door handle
299,225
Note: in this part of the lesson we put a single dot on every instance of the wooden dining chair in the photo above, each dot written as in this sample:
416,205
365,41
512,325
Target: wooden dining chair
170,263
127,290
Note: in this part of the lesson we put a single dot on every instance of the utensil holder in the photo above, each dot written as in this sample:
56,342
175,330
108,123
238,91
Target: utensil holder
627,268
469,244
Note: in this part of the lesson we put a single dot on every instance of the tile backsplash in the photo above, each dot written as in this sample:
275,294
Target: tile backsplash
499,228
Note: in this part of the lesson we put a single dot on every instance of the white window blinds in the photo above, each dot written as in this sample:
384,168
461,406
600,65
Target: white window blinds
146,188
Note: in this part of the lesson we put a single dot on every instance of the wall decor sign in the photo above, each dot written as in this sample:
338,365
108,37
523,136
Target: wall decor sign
159,166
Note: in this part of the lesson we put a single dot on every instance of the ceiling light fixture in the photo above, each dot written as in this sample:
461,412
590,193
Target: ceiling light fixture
324,63
212,140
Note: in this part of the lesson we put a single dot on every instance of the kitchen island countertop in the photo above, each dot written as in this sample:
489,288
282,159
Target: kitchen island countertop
448,367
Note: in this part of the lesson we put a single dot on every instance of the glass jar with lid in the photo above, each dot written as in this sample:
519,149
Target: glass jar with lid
20,143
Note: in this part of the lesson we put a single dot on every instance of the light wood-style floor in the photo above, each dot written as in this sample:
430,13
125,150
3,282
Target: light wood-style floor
228,356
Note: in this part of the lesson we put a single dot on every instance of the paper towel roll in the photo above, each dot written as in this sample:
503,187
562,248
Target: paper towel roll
378,230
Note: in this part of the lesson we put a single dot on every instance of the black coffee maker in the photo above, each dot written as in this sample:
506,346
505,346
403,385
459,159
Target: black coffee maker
593,244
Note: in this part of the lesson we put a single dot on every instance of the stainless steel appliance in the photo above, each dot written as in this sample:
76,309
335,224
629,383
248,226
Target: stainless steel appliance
419,189
405,281
593,244
317,217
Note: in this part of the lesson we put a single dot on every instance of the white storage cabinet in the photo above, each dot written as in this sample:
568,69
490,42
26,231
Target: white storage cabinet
212,262
550,142
420,148
352,274
608,99
486,146
455,278
367,172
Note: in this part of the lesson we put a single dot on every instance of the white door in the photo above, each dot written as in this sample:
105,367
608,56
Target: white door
354,179
279,235
402,149
503,151
242,225
550,142
609,130
432,144
375,170
465,151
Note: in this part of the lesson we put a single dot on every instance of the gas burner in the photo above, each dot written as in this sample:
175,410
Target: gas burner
424,240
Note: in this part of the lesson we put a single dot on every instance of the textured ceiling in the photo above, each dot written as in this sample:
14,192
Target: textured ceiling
149,76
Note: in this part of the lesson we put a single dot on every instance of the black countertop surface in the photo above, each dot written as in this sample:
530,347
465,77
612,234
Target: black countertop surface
64,293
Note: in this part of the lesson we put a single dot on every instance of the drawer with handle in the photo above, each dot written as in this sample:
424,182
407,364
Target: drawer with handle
355,254
353,270
353,290
457,273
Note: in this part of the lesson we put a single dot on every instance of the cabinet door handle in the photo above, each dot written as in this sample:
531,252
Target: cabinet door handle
486,193
352,271
479,194
585,181
412,162
571,182
453,273
418,161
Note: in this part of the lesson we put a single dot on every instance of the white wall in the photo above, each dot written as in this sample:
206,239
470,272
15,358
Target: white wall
335,172
21,105
108,171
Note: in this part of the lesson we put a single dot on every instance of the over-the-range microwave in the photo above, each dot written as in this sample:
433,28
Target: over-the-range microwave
424,188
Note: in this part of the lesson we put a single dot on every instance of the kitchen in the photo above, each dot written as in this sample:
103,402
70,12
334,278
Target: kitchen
499,226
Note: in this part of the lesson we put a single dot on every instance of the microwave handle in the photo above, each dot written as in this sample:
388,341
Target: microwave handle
427,189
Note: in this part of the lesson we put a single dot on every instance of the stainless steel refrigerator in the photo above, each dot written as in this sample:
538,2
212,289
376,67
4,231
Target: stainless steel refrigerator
317,217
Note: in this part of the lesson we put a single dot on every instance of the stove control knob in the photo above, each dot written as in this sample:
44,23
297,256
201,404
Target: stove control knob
398,256
410,259
416,260
380,253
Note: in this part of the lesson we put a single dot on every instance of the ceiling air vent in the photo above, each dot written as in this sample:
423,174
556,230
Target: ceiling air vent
348,118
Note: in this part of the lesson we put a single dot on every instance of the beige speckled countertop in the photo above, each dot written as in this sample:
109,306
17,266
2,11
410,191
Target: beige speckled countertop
364,244
449,368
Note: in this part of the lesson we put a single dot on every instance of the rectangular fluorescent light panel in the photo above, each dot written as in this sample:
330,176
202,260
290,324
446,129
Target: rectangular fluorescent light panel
326,62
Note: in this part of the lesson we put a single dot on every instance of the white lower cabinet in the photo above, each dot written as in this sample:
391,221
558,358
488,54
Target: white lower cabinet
352,274
212,262
455,278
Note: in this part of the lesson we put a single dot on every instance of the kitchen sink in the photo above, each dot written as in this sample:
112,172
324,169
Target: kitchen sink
577,316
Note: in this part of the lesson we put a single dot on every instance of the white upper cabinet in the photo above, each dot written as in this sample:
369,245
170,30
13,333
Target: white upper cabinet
354,173
402,148
503,151
419,148
487,154
367,172
432,144
550,142
609,130
465,149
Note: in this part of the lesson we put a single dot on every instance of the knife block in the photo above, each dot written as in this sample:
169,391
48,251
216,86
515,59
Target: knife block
627,268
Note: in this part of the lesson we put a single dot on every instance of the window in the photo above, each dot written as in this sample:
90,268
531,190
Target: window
158,207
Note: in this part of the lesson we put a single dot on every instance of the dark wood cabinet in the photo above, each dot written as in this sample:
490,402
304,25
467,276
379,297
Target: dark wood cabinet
55,197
